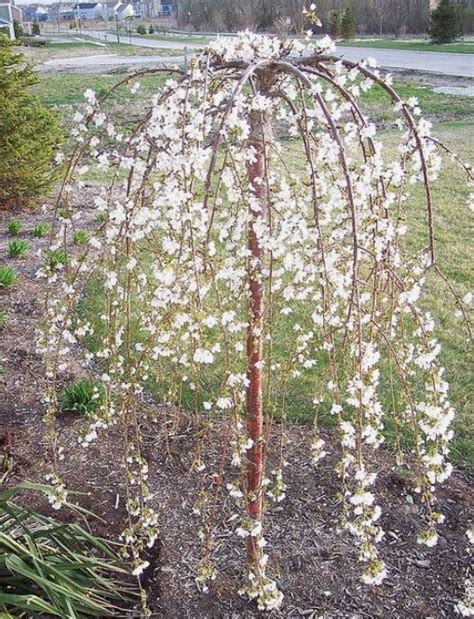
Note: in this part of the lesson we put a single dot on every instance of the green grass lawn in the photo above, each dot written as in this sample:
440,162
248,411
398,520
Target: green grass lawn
460,47
436,106
67,89
113,46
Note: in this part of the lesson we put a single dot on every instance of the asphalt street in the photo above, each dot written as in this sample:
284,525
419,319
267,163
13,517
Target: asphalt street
441,63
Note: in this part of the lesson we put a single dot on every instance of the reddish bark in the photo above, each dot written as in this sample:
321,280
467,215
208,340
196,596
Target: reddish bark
256,173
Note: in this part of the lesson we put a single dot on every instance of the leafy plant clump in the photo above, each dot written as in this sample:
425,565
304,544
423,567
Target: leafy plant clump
141,29
7,277
82,396
81,237
14,227
17,248
56,258
51,568
29,133
101,218
40,230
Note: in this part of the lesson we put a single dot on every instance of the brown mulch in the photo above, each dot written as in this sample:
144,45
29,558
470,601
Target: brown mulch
316,566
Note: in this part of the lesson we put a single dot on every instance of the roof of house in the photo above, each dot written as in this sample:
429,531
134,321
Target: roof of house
86,5
126,11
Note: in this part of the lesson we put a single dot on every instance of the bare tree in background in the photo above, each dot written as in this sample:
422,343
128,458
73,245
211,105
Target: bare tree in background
381,10
381,16
399,11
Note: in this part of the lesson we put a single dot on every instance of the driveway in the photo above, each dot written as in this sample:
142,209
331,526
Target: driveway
104,63
141,41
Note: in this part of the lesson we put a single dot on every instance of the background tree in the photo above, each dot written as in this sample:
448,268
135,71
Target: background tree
29,133
335,24
35,28
380,9
446,23
398,16
371,16
348,24
18,29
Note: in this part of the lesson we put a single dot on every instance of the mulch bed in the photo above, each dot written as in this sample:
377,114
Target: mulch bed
316,566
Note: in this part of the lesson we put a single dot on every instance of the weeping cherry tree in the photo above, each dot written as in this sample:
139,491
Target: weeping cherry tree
252,235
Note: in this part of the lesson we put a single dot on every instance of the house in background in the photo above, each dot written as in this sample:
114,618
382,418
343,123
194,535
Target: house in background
124,11
88,10
165,9
41,14
9,13
156,8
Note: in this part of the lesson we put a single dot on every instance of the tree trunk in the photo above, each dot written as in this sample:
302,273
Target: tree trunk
256,174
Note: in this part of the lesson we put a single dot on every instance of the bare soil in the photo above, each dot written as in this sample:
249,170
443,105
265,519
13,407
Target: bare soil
315,565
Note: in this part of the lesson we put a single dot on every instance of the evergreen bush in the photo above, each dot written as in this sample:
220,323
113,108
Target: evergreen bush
17,29
348,25
335,24
29,133
446,22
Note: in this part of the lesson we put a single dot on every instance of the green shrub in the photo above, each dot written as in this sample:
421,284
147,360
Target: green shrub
56,257
29,133
53,568
40,230
335,24
34,42
14,226
151,30
35,29
80,237
7,277
348,24
82,396
17,248
18,29
446,22
141,29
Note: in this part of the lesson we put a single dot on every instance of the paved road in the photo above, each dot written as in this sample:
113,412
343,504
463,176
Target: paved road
457,65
